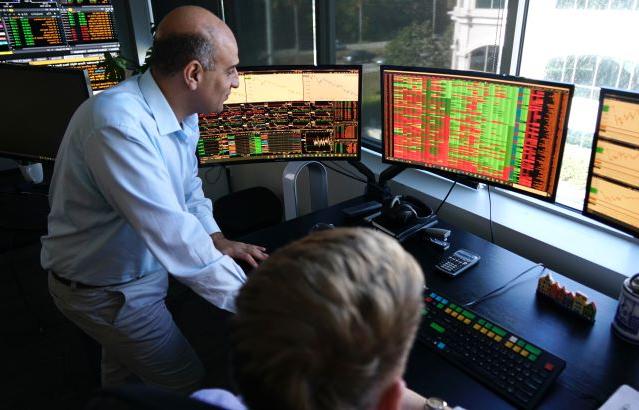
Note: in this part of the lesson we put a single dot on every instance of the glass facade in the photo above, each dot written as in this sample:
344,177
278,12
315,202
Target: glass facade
591,51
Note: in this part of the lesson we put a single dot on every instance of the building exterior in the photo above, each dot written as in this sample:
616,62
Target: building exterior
476,38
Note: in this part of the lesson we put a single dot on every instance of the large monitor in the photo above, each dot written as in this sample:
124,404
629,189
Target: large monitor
505,131
36,106
286,114
612,192
62,33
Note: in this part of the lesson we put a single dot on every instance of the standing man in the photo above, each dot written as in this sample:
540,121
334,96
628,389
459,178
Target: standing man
127,207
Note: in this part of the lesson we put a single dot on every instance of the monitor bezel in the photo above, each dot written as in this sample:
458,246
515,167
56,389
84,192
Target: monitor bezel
603,92
309,158
457,176
44,69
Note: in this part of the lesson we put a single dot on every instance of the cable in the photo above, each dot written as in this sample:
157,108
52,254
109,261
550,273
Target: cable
337,164
445,198
498,31
347,171
504,287
490,216
344,173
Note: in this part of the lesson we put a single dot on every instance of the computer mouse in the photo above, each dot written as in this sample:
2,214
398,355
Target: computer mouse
321,226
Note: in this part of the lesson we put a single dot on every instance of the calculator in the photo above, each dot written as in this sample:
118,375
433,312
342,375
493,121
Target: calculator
457,262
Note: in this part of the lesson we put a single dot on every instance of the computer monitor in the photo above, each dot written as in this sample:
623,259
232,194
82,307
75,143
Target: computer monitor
504,131
98,78
36,106
286,113
62,33
612,190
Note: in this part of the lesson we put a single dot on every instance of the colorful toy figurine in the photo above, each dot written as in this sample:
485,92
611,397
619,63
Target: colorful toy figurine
575,302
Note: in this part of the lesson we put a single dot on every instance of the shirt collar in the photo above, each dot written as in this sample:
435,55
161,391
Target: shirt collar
191,124
164,116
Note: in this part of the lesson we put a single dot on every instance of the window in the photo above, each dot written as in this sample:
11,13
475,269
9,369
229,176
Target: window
597,4
584,42
434,33
489,4
554,69
272,32
607,73
484,59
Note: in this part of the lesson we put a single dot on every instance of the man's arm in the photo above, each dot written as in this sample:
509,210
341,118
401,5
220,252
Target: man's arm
133,179
200,206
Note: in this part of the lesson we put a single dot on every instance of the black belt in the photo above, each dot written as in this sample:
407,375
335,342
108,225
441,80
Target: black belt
80,285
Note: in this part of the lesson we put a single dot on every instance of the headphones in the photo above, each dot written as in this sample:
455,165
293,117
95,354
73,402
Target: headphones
405,209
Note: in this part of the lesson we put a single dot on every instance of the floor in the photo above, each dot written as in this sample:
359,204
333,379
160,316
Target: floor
48,362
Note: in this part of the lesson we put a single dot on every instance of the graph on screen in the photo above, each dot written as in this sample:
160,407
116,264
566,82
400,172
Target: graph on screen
612,193
509,132
285,113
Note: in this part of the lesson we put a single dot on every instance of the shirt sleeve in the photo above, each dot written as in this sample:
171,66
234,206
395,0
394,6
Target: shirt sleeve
219,397
133,176
198,204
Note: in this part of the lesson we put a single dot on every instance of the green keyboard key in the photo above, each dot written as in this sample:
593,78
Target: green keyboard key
468,314
500,332
532,349
437,327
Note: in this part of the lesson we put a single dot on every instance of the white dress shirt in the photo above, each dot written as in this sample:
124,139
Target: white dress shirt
126,200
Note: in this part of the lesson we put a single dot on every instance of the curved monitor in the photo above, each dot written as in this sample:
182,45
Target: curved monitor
505,131
36,106
286,113
612,190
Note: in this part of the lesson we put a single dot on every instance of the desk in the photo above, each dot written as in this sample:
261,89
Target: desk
597,361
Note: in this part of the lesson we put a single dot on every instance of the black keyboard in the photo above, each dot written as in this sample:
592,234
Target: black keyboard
506,363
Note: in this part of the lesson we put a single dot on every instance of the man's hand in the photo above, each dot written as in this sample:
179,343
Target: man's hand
239,250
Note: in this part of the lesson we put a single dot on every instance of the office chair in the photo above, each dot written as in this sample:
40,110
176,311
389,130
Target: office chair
246,211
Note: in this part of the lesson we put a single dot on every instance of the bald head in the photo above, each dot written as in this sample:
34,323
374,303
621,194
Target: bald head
192,20
188,33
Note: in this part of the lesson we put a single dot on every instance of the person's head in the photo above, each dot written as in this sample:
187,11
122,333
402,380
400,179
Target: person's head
327,322
194,60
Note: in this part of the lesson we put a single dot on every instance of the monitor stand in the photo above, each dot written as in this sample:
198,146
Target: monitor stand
377,189
318,184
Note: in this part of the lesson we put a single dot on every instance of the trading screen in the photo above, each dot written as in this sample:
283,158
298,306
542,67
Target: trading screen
285,114
613,179
509,132
62,33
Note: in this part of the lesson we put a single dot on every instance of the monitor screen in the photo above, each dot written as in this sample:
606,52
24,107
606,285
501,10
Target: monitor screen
36,106
505,131
286,114
612,192
62,33
97,73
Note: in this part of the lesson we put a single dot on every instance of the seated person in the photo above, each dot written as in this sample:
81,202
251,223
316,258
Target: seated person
327,323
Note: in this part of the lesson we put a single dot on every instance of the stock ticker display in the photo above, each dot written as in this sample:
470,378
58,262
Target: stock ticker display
285,114
506,132
612,194
64,33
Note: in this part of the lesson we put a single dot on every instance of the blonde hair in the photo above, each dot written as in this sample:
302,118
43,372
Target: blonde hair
326,322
